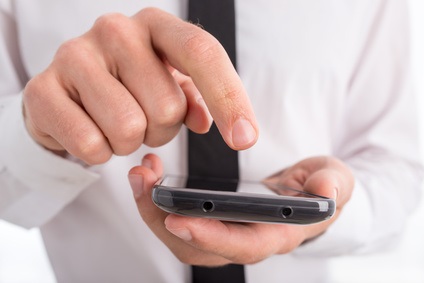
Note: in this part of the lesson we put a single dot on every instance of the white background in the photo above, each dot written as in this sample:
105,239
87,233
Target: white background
22,258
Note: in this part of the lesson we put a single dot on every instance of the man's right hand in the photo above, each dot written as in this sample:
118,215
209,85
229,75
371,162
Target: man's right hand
135,80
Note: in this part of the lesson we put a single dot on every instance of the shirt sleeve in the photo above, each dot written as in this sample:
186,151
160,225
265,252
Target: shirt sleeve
35,184
379,141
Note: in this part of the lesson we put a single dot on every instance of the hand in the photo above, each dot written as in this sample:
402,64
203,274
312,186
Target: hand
201,241
129,81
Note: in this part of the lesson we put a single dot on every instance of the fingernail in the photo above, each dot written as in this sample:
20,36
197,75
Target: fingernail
243,133
136,182
182,233
335,193
201,102
146,163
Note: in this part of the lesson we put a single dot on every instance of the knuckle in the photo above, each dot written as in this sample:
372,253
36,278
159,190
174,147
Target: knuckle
229,96
130,137
149,12
98,160
37,91
110,23
73,59
71,51
246,257
114,30
32,90
201,46
185,258
196,258
160,138
91,149
287,249
131,128
172,113
89,146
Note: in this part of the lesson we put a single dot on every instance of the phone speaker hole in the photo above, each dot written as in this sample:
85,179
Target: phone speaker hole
208,206
286,212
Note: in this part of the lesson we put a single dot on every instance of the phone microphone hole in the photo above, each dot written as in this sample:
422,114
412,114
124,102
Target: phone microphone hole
286,212
208,206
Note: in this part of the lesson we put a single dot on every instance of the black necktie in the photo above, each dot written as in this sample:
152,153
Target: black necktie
208,155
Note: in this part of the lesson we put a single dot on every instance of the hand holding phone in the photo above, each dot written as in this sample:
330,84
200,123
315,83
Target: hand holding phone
209,242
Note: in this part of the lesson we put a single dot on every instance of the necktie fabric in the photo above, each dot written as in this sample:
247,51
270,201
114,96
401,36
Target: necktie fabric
208,155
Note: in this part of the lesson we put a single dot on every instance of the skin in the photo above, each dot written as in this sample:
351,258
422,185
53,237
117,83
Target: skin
156,73
208,242
67,109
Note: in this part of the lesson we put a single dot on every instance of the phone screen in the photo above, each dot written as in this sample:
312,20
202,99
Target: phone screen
245,186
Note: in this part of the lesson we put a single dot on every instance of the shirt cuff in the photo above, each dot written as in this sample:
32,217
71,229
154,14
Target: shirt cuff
348,233
43,181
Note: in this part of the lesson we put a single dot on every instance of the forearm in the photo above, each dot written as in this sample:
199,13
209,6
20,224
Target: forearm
35,184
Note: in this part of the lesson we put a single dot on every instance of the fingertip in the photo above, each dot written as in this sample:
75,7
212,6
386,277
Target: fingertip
151,156
335,193
153,162
323,182
244,134
147,162
136,183
200,229
137,170
176,227
198,118
142,180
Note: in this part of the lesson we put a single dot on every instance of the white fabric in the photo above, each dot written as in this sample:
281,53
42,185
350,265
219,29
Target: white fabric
325,78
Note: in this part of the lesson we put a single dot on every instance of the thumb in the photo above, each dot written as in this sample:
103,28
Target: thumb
328,183
144,176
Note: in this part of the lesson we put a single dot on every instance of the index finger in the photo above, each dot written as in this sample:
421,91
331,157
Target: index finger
242,243
199,55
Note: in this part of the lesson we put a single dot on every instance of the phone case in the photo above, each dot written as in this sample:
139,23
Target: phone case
181,198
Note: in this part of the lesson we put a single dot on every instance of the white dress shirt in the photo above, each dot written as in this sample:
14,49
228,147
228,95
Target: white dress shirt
324,77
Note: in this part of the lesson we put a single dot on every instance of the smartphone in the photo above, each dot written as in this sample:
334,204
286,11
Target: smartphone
240,201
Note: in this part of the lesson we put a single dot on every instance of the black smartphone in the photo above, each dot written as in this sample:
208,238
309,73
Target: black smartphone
240,201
